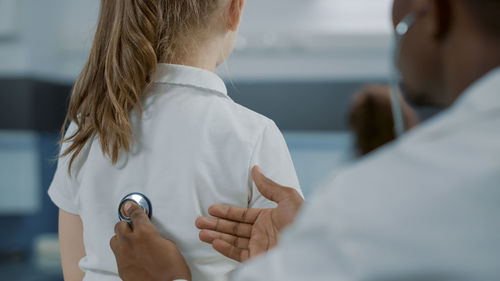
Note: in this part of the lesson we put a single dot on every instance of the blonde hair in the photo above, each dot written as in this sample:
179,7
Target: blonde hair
132,37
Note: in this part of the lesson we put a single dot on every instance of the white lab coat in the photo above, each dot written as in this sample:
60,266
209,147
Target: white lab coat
424,208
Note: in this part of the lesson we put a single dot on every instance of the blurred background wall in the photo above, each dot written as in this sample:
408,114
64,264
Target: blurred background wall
297,62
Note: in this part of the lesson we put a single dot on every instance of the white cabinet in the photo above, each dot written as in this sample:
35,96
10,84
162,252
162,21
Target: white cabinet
7,19
310,23
279,39
313,39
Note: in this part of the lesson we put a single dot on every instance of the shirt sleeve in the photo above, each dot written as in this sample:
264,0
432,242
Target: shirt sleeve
62,189
272,156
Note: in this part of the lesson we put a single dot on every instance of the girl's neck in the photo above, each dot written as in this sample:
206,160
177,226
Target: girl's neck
204,56
200,61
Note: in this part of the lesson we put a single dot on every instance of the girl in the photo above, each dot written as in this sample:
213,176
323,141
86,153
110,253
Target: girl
148,114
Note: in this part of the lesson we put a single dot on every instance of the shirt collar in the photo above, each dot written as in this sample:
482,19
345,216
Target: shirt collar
483,95
190,77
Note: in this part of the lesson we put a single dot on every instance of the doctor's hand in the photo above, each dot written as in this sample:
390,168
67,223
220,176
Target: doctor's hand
242,233
142,254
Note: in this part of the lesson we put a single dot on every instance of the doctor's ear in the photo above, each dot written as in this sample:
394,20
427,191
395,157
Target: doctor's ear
234,14
436,16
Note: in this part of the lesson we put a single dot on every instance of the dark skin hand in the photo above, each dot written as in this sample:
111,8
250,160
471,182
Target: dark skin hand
243,233
142,254
239,233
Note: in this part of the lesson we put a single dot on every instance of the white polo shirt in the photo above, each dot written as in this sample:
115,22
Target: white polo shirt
194,147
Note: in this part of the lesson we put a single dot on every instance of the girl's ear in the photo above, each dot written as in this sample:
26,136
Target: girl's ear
235,14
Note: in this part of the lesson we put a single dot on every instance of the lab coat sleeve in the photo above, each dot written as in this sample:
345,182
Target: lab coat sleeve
393,216
272,156
304,251
62,189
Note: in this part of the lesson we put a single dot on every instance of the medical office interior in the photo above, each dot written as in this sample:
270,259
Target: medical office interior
297,62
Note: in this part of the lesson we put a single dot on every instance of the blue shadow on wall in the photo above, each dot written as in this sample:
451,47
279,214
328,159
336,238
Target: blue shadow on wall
19,231
18,257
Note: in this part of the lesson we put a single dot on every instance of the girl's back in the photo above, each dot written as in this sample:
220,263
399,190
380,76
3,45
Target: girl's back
194,147
142,122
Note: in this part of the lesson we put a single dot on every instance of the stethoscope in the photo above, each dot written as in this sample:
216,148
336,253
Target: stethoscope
140,200
395,77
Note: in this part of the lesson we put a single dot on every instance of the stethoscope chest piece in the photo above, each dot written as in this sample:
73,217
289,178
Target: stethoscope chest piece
137,198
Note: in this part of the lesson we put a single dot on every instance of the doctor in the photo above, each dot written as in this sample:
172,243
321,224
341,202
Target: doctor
426,207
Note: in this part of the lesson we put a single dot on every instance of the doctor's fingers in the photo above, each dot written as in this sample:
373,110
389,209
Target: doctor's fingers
237,214
230,251
122,228
209,236
225,226
114,244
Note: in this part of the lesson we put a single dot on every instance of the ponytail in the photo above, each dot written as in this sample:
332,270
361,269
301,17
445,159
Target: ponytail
132,36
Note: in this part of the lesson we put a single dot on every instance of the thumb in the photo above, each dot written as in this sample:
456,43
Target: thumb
269,188
137,216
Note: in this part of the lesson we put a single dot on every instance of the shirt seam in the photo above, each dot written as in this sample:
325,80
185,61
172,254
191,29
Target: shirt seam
254,149
63,203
